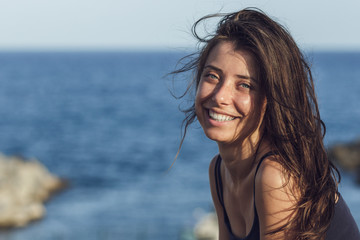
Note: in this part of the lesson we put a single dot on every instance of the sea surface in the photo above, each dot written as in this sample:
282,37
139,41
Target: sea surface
106,121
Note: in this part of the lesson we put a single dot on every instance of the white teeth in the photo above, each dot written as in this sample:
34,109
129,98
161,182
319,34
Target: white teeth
220,117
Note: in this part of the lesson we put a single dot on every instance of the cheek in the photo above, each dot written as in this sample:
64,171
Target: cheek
244,104
203,92
198,101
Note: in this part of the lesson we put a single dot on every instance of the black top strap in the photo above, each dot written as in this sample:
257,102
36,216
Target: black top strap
218,181
219,190
258,166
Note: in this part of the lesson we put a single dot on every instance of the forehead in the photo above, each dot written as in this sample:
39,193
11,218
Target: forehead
225,57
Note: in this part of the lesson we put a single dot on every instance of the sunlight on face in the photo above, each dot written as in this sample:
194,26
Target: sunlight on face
228,94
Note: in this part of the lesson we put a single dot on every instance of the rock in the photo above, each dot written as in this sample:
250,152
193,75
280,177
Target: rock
347,156
357,175
24,187
207,228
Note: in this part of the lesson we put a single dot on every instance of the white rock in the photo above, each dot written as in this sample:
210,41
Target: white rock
24,186
207,228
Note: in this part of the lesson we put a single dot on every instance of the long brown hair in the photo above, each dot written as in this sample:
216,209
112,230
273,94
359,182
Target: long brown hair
292,121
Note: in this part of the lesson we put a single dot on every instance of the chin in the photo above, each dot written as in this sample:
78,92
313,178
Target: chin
219,137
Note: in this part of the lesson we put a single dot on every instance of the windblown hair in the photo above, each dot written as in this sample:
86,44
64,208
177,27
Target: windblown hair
291,121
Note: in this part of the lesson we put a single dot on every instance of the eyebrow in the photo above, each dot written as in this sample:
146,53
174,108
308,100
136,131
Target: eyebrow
238,75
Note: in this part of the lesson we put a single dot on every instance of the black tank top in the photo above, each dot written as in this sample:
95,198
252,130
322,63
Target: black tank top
342,226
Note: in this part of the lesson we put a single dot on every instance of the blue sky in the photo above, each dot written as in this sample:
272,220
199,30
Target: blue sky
163,24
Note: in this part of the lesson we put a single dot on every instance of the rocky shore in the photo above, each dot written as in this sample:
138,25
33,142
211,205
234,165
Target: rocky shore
24,187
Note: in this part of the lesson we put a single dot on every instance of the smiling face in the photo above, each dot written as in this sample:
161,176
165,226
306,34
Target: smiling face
228,103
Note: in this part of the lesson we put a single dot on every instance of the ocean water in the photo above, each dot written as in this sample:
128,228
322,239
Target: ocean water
107,122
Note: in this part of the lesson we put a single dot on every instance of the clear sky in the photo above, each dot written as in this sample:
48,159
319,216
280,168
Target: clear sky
163,24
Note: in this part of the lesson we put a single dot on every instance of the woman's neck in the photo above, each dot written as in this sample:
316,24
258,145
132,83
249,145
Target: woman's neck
240,158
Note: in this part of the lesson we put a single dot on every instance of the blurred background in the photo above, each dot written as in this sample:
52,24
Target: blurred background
83,89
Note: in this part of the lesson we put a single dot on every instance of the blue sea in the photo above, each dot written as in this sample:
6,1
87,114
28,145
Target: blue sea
106,121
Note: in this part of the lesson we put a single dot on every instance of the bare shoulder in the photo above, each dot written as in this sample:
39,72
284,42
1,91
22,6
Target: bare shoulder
271,175
275,197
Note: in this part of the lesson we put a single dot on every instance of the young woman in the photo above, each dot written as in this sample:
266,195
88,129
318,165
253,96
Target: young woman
255,98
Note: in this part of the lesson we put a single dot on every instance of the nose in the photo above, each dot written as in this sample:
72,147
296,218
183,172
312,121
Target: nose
222,95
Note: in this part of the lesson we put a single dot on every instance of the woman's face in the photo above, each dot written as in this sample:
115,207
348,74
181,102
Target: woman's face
227,99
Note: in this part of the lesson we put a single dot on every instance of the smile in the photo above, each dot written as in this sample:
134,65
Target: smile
220,117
